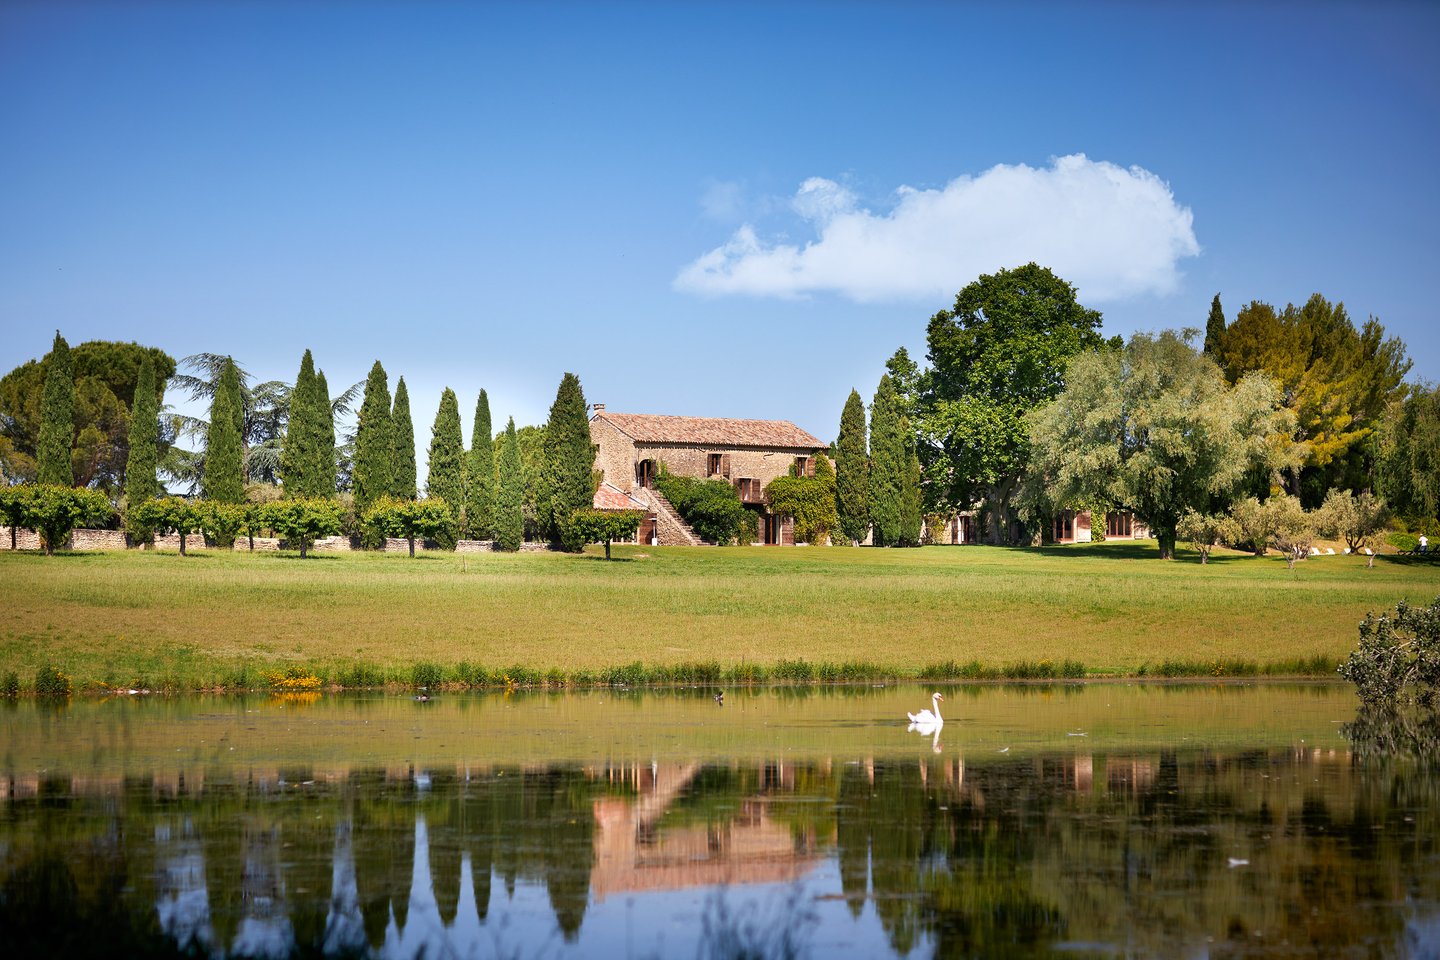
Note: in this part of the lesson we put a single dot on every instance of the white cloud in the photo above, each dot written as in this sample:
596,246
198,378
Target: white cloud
1113,232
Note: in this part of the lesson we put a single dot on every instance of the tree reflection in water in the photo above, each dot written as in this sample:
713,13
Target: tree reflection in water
1262,853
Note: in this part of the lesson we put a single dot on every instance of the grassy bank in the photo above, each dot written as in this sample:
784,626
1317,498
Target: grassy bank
683,615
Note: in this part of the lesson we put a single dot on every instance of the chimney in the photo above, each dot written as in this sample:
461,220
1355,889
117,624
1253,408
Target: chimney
598,407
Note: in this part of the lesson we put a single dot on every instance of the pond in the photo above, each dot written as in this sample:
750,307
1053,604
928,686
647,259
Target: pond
1102,819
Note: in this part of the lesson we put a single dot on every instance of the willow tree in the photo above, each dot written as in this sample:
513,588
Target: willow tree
1155,428
480,475
57,419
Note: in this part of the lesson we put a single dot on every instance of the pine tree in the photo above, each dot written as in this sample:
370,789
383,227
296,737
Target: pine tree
298,461
447,456
852,471
911,511
57,419
224,478
480,475
567,483
325,479
373,473
1215,330
510,494
403,482
887,466
140,481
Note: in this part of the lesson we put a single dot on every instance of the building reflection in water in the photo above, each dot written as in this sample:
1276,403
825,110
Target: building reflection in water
993,856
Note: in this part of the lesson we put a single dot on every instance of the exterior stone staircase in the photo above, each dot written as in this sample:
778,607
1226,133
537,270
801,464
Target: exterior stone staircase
670,528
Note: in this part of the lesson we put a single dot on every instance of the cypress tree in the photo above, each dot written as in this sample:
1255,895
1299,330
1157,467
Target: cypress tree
510,493
1215,329
298,458
911,510
887,465
480,475
57,419
224,478
140,481
374,443
568,462
325,482
403,483
852,471
447,456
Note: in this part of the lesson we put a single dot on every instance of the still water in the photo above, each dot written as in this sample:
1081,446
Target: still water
1097,820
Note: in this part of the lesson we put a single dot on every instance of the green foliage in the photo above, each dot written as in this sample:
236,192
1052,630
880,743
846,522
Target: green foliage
911,504
1204,531
171,515
106,376
374,443
998,354
567,465
1398,656
602,526
57,416
141,482
810,500
14,506
403,483
10,685
1293,528
426,676
1354,519
52,511
712,508
1407,454
852,471
224,521
307,462
51,684
446,480
412,520
224,477
510,495
480,476
1154,428
889,467
303,520
1215,329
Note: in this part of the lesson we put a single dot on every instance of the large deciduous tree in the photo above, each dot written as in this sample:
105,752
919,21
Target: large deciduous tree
567,479
852,471
510,495
480,475
997,354
446,478
224,478
1154,428
57,417
404,483
1407,454
374,473
141,482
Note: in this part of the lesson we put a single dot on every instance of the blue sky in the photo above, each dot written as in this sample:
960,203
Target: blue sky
709,209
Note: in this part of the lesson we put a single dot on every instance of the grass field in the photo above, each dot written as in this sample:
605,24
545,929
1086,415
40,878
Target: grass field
219,619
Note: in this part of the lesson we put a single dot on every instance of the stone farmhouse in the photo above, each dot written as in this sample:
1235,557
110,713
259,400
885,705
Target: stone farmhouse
748,454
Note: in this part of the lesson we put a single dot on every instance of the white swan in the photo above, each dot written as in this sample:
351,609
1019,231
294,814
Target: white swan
926,717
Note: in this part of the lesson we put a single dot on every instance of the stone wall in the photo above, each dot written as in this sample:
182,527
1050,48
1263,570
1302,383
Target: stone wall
262,544
95,540
614,454
694,461
24,539
333,544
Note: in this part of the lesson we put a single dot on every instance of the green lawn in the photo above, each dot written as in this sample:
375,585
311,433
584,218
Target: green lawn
161,619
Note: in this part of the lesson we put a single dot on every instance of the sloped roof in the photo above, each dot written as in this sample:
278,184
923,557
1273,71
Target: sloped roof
710,431
611,497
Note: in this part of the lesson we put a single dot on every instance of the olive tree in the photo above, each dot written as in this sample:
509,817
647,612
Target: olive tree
1204,531
1354,519
589,525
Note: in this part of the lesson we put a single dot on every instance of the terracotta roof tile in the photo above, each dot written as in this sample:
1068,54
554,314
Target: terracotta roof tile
711,431
611,497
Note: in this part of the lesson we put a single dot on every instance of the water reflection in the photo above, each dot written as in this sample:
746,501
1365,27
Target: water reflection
1265,851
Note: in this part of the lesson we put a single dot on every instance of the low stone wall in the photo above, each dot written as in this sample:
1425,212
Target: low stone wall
193,541
474,546
95,540
24,539
262,544
333,544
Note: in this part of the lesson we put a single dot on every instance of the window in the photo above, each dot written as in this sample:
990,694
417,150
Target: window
712,467
1119,525
803,468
